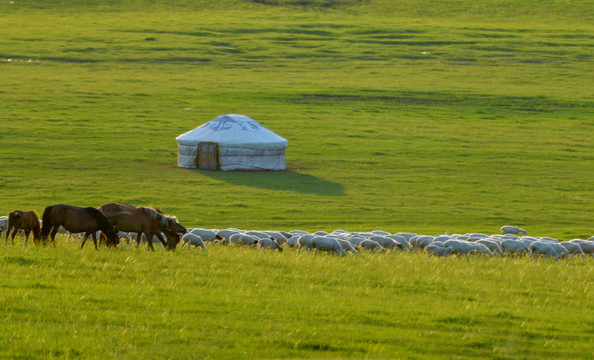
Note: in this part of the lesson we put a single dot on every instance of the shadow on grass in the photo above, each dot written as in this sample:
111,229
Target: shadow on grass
286,180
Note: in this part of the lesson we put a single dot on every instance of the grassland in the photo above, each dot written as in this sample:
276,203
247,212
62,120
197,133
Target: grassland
240,303
401,115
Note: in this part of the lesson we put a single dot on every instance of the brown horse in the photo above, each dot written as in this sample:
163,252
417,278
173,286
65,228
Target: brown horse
76,220
23,220
144,220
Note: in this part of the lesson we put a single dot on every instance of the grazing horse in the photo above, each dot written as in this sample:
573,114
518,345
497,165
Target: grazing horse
77,220
144,220
23,220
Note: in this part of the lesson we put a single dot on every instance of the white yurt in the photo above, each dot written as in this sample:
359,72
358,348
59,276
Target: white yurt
231,142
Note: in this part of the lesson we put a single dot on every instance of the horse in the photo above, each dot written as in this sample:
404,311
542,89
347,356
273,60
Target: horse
23,220
77,220
144,220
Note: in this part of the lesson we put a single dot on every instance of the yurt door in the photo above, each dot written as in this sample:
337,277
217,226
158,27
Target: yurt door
208,156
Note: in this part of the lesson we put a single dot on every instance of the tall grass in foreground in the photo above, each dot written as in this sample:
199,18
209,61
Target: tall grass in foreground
63,302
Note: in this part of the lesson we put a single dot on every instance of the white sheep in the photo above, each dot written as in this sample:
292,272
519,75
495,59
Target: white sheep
586,246
243,239
406,235
543,248
278,236
224,235
459,247
326,243
304,242
573,248
513,247
258,234
492,245
346,245
206,235
386,242
438,250
560,249
370,245
420,241
193,239
480,249
510,229
401,240
3,223
271,244
292,241
355,240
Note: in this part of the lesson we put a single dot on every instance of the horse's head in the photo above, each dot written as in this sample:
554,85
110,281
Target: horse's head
112,238
172,239
170,222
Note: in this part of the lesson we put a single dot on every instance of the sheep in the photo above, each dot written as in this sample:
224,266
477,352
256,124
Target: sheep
513,247
560,249
224,235
304,241
459,247
442,238
510,229
346,245
438,250
243,239
278,236
271,244
386,242
370,245
480,249
406,235
326,243
572,248
401,240
191,238
292,241
543,248
3,223
492,245
205,235
258,234
355,241
420,241
586,246
476,236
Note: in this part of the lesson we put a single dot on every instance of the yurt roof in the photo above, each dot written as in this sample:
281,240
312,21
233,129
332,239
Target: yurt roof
234,131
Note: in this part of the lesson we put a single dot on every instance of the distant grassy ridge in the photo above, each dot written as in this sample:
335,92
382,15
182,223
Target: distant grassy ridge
418,116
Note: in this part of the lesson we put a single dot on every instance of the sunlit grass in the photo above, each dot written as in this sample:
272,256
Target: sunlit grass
234,302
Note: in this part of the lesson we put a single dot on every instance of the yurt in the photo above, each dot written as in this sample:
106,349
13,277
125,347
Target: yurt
231,142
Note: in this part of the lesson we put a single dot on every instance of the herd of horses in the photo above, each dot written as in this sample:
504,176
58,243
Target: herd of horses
105,221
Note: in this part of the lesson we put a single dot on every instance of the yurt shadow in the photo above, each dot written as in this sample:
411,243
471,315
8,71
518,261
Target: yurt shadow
287,180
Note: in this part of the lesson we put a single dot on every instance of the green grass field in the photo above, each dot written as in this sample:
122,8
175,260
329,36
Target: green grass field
420,116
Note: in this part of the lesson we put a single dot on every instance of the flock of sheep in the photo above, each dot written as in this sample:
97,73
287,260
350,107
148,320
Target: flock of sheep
513,241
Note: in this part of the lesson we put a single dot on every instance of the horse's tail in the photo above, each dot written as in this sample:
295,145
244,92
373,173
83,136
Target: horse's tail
47,223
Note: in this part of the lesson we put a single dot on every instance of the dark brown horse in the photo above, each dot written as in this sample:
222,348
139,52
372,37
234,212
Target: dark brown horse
77,220
23,220
144,220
